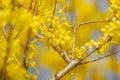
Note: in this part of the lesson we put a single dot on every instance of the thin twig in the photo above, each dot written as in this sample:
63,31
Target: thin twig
18,34
53,14
109,39
65,9
3,71
74,41
39,36
81,24
76,62
4,32
16,59
34,7
99,58
94,21
30,7
60,51
54,9
26,50
97,21
63,54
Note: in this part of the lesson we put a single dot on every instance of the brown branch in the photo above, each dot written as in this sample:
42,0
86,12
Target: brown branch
81,24
70,66
54,7
63,54
98,21
18,34
16,59
4,33
109,39
30,7
99,58
53,14
66,9
94,21
26,50
74,41
34,7
3,71
38,36
61,51
76,62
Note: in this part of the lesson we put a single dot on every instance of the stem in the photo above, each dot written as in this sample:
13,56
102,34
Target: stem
100,58
75,63
70,66
54,9
74,41
109,39
26,50
34,7
30,7
63,54
9,37
94,21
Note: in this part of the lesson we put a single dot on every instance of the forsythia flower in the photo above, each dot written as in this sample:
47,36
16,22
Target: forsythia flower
91,44
80,51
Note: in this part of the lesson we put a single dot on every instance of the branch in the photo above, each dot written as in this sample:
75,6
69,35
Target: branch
98,21
4,33
26,50
100,58
34,7
53,12
54,7
74,41
8,36
109,39
63,54
65,9
76,62
81,24
16,59
18,34
38,36
30,7
70,66
94,21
